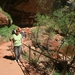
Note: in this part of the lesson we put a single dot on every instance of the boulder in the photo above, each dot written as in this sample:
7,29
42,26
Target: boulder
3,19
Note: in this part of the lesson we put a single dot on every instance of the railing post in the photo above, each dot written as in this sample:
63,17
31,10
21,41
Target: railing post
29,54
65,67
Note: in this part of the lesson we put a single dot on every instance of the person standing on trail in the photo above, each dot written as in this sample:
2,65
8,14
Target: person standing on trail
17,43
23,34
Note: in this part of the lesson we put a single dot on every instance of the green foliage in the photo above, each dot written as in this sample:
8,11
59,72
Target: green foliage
47,21
25,57
61,20
37,32
1,9
6,31
42,19
68,73
58,13
65,22
55,73
42,3
34,62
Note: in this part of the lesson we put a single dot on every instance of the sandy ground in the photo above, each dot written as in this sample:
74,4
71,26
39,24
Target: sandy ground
7,64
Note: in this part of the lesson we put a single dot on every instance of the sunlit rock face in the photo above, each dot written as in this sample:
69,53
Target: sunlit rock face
3,19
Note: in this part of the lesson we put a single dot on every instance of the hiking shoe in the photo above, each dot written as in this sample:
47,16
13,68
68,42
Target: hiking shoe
15,60
18,60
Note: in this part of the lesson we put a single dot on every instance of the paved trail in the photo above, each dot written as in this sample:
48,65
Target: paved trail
7,65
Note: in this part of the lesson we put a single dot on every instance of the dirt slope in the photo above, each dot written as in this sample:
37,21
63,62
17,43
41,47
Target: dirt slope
7,65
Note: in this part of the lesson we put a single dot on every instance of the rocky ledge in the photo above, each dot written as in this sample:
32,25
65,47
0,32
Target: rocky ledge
4,20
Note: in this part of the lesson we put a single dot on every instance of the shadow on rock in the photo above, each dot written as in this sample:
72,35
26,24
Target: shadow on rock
9,57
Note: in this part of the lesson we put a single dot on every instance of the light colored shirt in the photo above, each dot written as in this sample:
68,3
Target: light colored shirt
17,39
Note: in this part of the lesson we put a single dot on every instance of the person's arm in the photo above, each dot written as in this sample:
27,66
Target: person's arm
12,43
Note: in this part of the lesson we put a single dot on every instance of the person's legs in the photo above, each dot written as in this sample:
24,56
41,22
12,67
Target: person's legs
19,51
16,52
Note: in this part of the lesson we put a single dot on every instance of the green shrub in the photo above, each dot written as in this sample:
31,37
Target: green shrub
55,73
68,73
25,56
6,31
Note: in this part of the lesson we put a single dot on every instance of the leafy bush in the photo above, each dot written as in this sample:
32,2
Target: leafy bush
25,56
65,22
68,73
6,31
42,19
55,73
45,24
